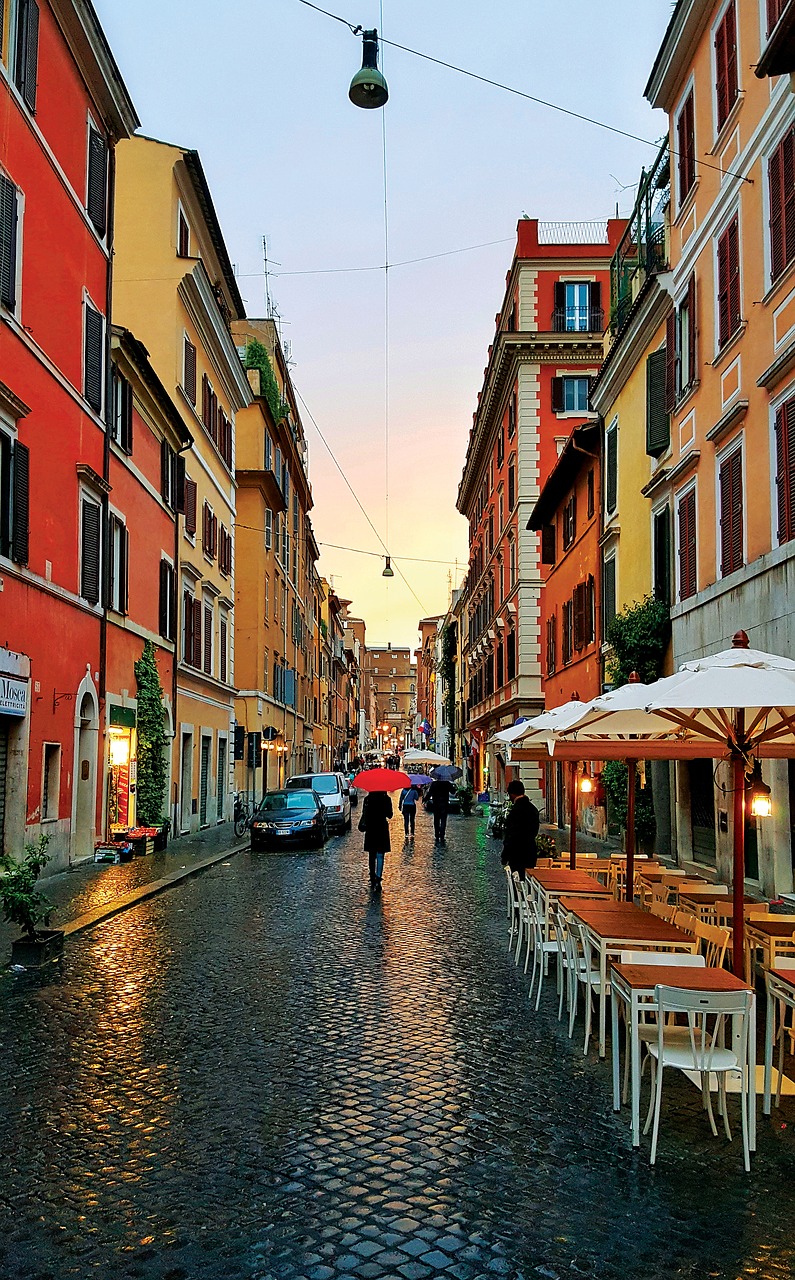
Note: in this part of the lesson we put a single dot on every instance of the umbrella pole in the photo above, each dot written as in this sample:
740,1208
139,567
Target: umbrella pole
573,816
629,887
738,876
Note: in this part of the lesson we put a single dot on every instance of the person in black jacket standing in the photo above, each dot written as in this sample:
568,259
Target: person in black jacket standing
439,796
521,829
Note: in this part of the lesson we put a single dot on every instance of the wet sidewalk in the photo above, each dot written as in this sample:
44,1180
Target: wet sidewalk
89,886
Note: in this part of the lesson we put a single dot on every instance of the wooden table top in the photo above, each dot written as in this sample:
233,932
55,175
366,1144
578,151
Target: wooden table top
645,977
655,876
783,975
707,894
783,927
631,925
563,881
600,904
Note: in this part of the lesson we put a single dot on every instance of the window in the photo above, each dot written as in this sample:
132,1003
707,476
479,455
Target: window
569,522
567,632
583,620
191,630
90,549
661,554
490,543
570,395
729,318
775,8
51,782
552,644
209,628
726,64
9,241
183,235
268,528
590,494
512,415
224,551
121,421
118,560
268,453
512,561
209,531
611,468
168,601
686,148
190,507
26,50
97,181
511,484
731,512
500,666
781,179
189,369
785,469
608,592
658,430
14,498
209,409
686,532
267,600
173,483
578,307
500,446
93,355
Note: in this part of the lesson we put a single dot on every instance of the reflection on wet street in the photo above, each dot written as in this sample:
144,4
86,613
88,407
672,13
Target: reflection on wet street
269,1073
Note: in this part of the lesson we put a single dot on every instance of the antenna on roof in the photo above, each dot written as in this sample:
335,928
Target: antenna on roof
269,308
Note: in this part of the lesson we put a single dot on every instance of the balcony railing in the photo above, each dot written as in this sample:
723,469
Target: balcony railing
578,320
643,248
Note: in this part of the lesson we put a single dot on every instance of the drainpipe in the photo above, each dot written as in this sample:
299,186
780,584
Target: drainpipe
174,664
103,625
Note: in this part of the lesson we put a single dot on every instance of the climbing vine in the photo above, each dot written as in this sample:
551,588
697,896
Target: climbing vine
447,674
257,357
151,786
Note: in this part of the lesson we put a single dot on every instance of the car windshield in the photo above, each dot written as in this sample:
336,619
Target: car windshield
288,800
325,784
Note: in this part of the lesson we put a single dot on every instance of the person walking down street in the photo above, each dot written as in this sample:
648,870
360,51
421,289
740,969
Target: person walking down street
439,796
408,806
521,829
374,822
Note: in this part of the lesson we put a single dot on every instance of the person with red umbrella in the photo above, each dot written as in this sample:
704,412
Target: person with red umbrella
376,812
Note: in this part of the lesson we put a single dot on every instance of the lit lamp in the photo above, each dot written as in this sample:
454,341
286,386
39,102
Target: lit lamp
119,749
586,784
759,794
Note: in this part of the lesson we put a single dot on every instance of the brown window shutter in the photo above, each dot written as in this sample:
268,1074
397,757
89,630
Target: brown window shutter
93,353
611,466
90,550
559,303
27,51
126,434
187,627
166,472
595,318
687,545
731,513
590,609
783,479
20,533
190,506
776,212
163,603
124,562
789,416
222,644
548,541
8,242
735,310
670,362
97,185
775,8
179,483
658,428
205,401
196,606
189,361
578,608
692,328
205,527
557,395
208,640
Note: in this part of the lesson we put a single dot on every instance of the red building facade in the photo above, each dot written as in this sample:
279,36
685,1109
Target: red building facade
547,348
63,106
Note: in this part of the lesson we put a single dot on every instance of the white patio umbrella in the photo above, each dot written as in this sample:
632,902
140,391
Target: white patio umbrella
738,704
534,740
423,755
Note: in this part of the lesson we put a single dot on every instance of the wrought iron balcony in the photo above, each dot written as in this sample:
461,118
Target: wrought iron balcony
578,320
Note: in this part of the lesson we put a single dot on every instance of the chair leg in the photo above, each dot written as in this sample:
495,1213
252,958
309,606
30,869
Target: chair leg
723,1099
657,1109
540,981
588,1016
713,1126
653,1082
573,986
747,1099
780,1060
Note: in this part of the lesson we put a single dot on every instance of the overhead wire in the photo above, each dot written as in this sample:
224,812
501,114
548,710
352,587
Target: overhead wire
520,93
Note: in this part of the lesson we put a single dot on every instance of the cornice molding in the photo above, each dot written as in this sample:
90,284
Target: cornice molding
197,295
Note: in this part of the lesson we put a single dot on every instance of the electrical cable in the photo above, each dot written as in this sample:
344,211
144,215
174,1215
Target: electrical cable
386,327
520,93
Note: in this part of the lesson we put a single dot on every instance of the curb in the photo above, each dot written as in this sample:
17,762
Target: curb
134,896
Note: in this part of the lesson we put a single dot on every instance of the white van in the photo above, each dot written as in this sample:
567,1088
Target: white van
333,789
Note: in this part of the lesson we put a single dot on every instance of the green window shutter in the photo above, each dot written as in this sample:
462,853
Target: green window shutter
93,361
97,186
90,548
8,242
611,486
20,533
658,423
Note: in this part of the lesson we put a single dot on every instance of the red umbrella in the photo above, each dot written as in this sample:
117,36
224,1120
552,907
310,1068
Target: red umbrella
382,780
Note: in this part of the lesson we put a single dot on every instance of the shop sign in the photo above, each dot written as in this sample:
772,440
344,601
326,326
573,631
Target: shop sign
13,696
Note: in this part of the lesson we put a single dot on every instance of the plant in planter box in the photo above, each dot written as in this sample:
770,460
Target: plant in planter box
25,905
545,845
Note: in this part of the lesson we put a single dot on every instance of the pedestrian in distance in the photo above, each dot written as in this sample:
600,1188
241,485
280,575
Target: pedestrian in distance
439,795
408,807
374,822
521,829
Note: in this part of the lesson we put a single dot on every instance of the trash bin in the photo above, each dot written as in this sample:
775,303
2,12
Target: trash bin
161,839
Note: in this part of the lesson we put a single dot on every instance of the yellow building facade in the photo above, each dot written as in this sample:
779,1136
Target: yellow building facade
175,290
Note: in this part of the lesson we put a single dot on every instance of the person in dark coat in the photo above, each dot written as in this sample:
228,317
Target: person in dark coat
439,796
521,829
374,822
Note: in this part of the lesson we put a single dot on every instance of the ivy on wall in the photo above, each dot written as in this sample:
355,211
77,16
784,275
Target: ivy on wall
257,357
151,786
447,674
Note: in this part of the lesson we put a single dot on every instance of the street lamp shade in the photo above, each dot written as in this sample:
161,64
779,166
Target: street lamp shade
368,87
388,572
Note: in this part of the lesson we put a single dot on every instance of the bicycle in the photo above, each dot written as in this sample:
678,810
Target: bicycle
243,816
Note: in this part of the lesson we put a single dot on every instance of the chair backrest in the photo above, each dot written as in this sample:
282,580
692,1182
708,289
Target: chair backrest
722,889
662,958
707,1012
665,910
585,943
659,893
714,942
684,921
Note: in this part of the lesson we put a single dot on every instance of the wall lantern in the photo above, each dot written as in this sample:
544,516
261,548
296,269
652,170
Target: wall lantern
759,794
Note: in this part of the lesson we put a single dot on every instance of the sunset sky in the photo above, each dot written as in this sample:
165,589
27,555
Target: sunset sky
259,88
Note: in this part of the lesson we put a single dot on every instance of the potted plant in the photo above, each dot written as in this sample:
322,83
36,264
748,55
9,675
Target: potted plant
545,845
466,795
24,905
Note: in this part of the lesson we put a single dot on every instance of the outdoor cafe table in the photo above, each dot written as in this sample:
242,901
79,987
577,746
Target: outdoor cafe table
633,985
707,902
627,929
554,882
773,937
781,993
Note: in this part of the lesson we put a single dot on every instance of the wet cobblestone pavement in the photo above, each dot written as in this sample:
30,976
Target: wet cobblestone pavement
266,1073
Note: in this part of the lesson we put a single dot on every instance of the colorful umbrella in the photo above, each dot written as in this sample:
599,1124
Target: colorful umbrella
382,780
420,779
446,773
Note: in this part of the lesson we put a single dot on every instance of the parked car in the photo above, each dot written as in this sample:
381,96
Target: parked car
331,787
285,817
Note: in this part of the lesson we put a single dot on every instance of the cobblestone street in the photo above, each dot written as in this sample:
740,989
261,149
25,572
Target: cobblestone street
266,1072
